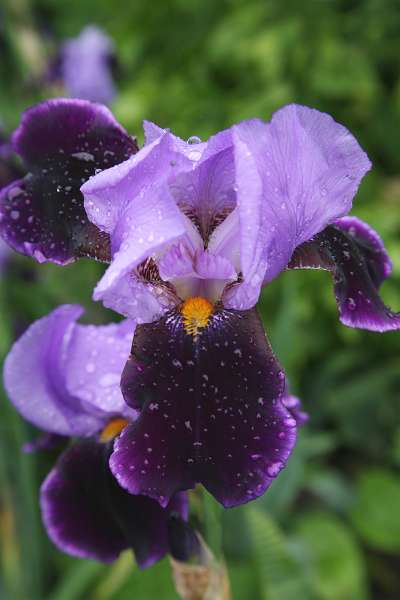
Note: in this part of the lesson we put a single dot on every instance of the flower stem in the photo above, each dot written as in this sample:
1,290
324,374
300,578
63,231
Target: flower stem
212,515
205,577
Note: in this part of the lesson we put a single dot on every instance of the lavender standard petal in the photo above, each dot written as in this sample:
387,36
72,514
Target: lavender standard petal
206,193
193,151
110,193
34,380
293,177
133,203
146,227
53,373
210,411
93,368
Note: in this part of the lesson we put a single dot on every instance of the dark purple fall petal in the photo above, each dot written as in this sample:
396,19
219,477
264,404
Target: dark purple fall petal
371,245
87,514
62,143
211,410
358,261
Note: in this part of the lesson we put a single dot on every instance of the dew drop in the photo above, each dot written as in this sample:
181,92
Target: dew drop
194,139
351,303
274,468
86,156
256,456
110,379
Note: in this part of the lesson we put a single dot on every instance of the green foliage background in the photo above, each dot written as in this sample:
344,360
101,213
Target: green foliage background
329,528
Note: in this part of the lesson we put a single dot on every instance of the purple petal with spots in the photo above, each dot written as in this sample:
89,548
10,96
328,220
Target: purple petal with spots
211,410
87,514
357,259
294,176
63,377
370,244
62,143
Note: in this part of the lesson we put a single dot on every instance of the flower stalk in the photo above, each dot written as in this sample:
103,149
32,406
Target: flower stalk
206,579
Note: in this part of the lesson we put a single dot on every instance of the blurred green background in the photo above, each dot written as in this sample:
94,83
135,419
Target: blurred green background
329,527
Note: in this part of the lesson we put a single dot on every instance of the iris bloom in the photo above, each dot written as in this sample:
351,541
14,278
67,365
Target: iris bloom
192,232
64,378
85,64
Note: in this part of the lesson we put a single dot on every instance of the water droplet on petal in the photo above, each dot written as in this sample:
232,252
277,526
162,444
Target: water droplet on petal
194,139
274,468
351,303
110,379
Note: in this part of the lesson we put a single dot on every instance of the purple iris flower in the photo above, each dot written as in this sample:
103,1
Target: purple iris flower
85,66
192,232
64,378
